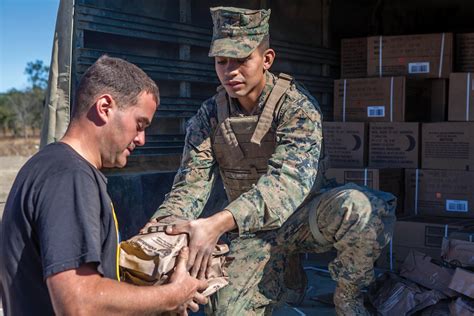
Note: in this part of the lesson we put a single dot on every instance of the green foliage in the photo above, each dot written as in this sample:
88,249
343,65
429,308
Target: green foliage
7,116
37,74
21,110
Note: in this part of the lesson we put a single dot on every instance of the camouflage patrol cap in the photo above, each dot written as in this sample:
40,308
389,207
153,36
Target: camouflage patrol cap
237,32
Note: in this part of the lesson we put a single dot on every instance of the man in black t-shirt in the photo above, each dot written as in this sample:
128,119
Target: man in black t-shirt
59,248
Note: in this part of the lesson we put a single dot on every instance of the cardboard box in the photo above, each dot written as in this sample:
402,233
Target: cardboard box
461,97
462,282
346,144
447,145
439,192
465,234
388,180
394,145
354,58
427,100
420,268
370,100
421,233
418,56
458,251
439,100
464,61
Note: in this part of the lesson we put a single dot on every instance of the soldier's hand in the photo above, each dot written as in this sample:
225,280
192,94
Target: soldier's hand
203,236
188,286
202,240
152,222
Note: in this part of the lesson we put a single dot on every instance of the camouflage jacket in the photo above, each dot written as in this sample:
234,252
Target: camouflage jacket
291,173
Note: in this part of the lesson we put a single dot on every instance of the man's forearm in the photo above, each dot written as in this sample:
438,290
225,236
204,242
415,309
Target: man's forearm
84,291
126,299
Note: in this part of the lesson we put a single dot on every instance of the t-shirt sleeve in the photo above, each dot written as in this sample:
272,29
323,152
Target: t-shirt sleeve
68,222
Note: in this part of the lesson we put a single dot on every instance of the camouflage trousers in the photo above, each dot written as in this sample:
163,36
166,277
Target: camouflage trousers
356,221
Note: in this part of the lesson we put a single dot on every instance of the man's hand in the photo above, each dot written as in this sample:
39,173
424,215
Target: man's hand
189,286
203,236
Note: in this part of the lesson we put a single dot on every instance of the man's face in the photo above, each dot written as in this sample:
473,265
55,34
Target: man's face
241,77
127,130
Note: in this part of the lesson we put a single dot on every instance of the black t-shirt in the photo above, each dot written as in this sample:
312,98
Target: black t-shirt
58,216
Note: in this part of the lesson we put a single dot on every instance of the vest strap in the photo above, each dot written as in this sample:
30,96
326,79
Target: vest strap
222,105
225,125
266,118
231,140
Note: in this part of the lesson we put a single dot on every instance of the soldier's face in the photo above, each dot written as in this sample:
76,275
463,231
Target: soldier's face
243,77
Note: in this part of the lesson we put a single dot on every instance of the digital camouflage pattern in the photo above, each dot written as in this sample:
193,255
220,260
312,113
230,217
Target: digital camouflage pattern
273,216
237,32
357,221
292,172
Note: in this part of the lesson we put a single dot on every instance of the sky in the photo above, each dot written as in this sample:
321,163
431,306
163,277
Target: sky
26,34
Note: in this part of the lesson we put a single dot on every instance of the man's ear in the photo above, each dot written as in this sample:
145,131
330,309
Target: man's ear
103,106
268,58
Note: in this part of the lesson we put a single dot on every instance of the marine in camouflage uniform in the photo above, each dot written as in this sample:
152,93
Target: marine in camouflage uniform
272,164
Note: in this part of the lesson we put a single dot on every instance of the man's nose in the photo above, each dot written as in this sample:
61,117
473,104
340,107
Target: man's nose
140,139
232,67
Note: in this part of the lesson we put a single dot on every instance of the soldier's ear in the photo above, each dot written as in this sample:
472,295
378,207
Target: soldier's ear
268,58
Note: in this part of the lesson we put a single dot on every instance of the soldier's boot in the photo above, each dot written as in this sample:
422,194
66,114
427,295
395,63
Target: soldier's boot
295,279
349,300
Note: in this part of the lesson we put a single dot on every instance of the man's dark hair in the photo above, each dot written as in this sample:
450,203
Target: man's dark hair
119,78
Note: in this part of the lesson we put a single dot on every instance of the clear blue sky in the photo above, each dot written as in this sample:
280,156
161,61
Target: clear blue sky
26,34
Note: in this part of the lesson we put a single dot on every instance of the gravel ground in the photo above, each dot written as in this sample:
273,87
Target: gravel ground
9,167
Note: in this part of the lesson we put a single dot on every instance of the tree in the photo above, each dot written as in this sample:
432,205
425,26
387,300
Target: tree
7,115
25,106
21,110
37,74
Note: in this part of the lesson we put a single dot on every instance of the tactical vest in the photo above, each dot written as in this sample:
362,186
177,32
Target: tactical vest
243,145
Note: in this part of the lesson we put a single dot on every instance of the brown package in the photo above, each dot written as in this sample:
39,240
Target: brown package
439,309
393,145
464,61
439,192
370,100
421,269
388,180
354,57
418,56
148,258
459,252
346,144
462,307
461,97
463,282
393,295
422,233
448,145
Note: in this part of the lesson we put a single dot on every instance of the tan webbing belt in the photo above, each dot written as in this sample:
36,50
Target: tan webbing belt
266,118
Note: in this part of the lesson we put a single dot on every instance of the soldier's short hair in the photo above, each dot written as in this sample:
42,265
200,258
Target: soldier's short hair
108,75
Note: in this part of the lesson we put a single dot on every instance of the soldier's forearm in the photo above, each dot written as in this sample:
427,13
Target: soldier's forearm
224,221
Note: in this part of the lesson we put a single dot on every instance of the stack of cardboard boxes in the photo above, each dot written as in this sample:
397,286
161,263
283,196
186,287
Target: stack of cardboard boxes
404,123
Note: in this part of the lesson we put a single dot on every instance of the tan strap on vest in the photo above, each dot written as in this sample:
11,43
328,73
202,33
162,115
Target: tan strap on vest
266,118
225,126
222,105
